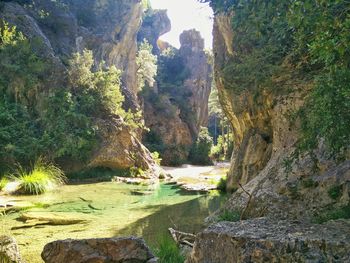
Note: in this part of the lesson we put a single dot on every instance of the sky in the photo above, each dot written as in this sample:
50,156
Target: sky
184,15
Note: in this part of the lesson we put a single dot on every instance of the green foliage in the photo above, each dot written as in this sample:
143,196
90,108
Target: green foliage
22,71
167,251
146,65
56,122
309,183
222,184
327,113
308,38
39,179
156,157
333,214
200,152
228,215
3,182
335,192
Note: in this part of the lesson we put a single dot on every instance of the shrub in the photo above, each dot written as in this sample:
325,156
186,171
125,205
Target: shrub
222,184
335,191
227,215
42,177
156,157
167,251
333,214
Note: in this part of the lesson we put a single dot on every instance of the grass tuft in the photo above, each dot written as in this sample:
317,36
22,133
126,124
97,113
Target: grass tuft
42,177
232,216
3,182
168,251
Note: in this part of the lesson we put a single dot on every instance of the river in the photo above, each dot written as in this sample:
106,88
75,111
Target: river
109,209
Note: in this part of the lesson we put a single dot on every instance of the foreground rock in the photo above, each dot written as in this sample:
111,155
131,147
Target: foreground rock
111,250
262,240
9,251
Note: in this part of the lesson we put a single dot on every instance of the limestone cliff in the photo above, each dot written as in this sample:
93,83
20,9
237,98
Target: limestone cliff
109,29
177,106
265,140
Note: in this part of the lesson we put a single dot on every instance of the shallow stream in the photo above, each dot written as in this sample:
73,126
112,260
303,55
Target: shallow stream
110,210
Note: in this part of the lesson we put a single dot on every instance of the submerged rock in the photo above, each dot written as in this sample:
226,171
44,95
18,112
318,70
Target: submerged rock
111,250
48,218
263,240
9,251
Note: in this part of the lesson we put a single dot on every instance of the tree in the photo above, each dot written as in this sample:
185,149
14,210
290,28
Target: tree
146,65
200,152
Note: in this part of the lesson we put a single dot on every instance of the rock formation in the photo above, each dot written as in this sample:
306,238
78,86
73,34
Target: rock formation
290,193
113,250
265,241
155,24
179,112
265,139
109,29
9,251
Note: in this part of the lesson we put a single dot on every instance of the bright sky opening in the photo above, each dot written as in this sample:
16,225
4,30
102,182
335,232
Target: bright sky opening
184,15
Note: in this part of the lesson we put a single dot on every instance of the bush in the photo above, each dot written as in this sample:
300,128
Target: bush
335,192
333,214
222,184
156,157
200,152
231,216
41,178
168,251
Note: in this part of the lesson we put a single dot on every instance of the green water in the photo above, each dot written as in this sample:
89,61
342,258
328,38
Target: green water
112,210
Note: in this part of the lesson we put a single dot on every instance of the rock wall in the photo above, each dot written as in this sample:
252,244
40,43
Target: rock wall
265,139
176,127
108,28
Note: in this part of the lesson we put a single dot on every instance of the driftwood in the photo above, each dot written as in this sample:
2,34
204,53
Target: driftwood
182,237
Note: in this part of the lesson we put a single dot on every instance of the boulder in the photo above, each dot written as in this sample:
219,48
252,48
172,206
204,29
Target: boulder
111,250
9,251
264,240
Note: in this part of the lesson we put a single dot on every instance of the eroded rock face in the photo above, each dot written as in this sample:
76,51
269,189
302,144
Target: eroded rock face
265,139
249,116
199,82
177,127
9,251
111,250
262,240
109,28
155,24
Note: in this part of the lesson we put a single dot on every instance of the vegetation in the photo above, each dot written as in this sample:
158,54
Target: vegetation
219,128
221,186
335,192
333,214
200,152
146,65
39,179
311,40
3,182
56,122
231,216
167,251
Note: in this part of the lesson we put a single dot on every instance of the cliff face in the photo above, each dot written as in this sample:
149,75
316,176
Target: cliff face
109,29
178,106
265,139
